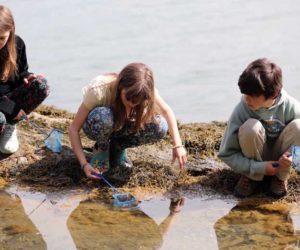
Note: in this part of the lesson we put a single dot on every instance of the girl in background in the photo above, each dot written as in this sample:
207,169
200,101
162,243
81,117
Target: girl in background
20,91
121,111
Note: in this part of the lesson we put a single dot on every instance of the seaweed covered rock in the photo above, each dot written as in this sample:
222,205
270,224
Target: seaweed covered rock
34,165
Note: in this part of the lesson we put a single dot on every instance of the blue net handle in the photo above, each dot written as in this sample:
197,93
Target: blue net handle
52,140
38,128
106,181
128,202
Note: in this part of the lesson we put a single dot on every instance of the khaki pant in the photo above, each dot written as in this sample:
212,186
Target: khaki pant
254,144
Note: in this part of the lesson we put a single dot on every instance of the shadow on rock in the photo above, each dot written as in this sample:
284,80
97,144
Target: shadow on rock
56,170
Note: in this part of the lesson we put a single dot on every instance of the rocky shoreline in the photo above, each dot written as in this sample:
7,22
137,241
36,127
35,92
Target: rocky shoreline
33,165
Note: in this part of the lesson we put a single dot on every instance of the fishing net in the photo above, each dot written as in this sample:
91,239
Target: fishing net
121,199
53,140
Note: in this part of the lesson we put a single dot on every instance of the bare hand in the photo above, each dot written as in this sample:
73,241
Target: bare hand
89,170
30,78
180,154
176,205
285,160
21,115
272,168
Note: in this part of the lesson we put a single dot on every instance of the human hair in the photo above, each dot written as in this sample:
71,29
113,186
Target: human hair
261,77
136,79
8,54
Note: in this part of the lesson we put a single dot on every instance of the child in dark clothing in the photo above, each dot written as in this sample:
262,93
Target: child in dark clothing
20,91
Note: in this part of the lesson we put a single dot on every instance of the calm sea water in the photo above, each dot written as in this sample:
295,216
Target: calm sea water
197,49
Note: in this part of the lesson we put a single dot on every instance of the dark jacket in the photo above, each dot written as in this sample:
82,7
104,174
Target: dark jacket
8,106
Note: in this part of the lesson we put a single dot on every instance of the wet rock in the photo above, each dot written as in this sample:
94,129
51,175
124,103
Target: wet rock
2,183
202,167
22,161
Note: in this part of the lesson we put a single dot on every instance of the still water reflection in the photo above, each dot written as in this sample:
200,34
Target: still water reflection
17,231
265,226
66,220
101,226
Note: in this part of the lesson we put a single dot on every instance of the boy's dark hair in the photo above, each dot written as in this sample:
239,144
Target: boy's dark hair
261,77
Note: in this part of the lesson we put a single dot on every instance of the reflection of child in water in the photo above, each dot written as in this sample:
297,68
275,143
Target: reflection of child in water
175,207
16,230
267,226
98,226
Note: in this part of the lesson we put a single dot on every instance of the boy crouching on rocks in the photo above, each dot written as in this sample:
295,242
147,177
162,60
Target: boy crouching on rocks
261,130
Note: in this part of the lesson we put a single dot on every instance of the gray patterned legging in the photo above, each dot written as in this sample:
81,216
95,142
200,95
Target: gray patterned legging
28,97
99,127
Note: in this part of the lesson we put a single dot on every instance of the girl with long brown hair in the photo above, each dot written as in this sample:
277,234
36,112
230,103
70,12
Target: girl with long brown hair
20,91
121,111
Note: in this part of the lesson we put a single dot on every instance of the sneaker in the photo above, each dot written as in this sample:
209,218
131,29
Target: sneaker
8,140
278,188
100,160
119,158
245,187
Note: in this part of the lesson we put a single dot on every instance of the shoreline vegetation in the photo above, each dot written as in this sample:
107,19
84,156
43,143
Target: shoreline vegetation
33,165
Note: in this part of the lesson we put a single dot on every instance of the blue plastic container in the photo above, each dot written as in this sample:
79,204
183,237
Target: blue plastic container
296,157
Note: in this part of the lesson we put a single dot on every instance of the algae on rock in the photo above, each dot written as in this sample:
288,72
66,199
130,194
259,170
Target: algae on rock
152,170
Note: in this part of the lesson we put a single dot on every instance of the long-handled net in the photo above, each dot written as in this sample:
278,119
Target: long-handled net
52,140
121,199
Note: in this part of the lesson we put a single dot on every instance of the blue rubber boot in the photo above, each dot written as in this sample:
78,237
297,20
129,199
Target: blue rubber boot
100,160
119,158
